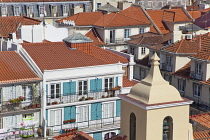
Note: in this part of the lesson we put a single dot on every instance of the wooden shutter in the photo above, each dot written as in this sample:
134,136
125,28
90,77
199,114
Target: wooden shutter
92,85
73,88
116,81
67,113
96,111
66,88
73,112
99,84
118,103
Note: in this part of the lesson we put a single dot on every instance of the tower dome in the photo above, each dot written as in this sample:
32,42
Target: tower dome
154,89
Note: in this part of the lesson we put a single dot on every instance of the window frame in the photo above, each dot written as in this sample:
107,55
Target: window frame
112,36
108,110
64,9
141,30
84,115
56,95
4,11
197,88
83,91
198,68
25,91
127,33
55,121
181,85
143,50
41,9
109,84
98,4
16,10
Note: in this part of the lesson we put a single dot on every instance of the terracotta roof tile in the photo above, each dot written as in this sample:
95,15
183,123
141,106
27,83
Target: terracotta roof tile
205,10
202,135
128,83
202,119
144,61
79,135
118,19
195,14
83,18
14,69
93,34
184,71
10,24
185,46
175,15
56,55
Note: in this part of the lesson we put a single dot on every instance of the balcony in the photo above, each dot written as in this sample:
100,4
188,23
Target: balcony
62,99
116,41
166,67
85,126
195,75
15,107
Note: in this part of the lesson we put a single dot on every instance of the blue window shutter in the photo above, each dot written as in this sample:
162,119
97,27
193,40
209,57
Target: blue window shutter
97,136
118,131
46,89
67,113
92,85
93,111
66,88
46,116
116,81
73,87
118,102
73,112
99,111
99,84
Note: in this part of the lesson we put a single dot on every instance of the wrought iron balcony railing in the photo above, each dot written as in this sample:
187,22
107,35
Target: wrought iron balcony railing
75,97
116,41
196,76
166,67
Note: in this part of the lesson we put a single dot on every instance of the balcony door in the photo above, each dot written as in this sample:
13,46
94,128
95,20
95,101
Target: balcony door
112,36
198,71
55,119
168,63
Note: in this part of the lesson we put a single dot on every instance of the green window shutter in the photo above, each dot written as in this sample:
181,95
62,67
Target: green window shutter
73,88
99,84
97,136
73,112
46,89
92,85
46,117
66,88
118,103
116,81
67,113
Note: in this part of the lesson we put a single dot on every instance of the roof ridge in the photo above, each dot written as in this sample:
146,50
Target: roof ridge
110,19
181,42
132,18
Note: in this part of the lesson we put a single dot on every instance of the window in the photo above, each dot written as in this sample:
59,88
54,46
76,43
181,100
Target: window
98,5
126,33
132,126
198,68
167,128
82,114
27,92
132,50
30,10
108,110
83,87
109,135
41,10
143,50
168,63
197,90
55,90
141,30
3,10
53,10
112,36
55,117
108,84
17,11
65,10
142,73
181,85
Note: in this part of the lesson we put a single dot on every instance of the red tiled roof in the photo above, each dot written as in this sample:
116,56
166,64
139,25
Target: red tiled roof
205,10
10,24
79,135
56,55
185,46
202,135
175,15
144,61
119,19
83,18
128,83
93,34
157,16
14,69
118,137
195,14
184,71
202,119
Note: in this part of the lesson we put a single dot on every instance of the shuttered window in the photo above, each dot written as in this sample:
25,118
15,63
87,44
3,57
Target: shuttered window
96,85
55,117
82,114
69,88
108,110
118,105
96,111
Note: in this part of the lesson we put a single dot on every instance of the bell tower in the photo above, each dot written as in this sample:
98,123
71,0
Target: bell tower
154,110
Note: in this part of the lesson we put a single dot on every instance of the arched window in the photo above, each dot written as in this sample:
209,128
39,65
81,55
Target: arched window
168,128
132,126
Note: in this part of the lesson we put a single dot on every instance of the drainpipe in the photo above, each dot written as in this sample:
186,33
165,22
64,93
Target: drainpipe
130,68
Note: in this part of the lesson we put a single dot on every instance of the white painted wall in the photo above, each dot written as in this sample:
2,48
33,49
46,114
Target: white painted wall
181,61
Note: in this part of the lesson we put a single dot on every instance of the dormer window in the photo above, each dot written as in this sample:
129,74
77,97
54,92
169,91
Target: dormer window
17,11
141,30
3,11
198,71
197,90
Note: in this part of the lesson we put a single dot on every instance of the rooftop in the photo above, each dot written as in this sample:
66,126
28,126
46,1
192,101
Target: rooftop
108,8
14,69
9,1
202,119
93,34
10,24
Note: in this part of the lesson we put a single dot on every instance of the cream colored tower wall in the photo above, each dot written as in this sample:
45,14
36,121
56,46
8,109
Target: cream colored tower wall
141,116
180,116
